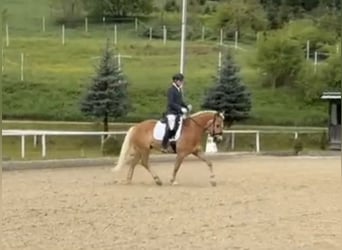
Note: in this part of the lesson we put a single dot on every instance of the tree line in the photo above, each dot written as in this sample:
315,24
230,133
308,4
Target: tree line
282,55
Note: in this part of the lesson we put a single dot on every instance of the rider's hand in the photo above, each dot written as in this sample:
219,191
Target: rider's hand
189,107
184,110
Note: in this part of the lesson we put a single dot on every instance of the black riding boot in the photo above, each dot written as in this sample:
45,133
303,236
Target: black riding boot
165,140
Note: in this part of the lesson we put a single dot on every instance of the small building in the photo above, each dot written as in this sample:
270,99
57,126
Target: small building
334,124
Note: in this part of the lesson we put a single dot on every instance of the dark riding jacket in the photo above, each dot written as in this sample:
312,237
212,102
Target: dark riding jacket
175,101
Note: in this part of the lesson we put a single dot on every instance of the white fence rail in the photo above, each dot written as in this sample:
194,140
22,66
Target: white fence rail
44,133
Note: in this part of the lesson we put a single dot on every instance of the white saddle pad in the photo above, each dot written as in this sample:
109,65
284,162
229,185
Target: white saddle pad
159,131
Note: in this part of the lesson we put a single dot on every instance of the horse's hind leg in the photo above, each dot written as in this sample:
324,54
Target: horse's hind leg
146,165
134,161
200,156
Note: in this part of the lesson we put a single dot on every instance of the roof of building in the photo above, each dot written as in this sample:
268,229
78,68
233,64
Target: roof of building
331,95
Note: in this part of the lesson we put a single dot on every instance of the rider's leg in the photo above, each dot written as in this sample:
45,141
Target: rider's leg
168,128
165,139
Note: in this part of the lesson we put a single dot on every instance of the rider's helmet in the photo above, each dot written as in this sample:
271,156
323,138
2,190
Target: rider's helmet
178,76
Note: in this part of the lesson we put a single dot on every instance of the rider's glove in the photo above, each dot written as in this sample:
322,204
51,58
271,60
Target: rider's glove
189,107
184,110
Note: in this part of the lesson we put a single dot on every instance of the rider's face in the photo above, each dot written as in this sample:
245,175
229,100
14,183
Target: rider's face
179,83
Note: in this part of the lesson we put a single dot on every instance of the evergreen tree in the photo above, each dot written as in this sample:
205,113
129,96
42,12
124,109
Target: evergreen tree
229,94
107,94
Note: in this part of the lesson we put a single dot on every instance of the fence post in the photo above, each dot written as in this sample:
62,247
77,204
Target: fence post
35,141
296,135
23,146
307,49
7,35
2,60
221,37
43,23
150,33
86,24
232,142
136,24
236,39
63,34
315,62
203,33
219,60
119,61
102,140
164,34
22,66
115,34
257,141
43,145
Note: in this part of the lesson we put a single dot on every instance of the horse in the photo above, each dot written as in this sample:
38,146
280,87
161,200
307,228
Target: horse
139,142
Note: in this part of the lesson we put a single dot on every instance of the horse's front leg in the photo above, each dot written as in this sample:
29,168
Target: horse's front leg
178,163
200,155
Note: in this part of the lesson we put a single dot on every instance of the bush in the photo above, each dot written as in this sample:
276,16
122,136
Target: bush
297,146
111,146
304,30
324,140
309,84
327,77
244,17
280,59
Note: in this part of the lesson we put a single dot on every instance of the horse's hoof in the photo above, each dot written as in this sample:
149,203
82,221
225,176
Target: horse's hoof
213,183
173,183
124,182
158,181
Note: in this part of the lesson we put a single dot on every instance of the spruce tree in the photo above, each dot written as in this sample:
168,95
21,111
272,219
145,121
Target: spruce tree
107,94
229,94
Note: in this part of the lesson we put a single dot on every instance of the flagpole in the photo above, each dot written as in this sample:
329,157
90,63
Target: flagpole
183,35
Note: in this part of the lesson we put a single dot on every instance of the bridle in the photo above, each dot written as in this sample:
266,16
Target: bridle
206,128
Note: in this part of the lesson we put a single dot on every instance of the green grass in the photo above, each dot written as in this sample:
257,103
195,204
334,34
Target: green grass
56,75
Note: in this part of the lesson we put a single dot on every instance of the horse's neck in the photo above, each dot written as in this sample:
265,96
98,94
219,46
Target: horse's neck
202,120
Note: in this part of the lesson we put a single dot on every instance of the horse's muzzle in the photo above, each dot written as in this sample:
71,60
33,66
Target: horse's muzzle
218,138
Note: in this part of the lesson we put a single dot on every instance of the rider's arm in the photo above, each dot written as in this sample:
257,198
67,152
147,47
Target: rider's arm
183,104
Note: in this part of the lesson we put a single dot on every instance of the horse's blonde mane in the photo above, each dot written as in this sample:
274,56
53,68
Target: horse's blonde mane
206,111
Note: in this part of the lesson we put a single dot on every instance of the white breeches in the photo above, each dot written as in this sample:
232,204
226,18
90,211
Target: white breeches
171,120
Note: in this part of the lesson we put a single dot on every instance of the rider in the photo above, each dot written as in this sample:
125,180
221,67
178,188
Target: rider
175,107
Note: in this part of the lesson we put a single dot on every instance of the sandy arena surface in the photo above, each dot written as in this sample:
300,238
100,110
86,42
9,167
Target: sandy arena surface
260,203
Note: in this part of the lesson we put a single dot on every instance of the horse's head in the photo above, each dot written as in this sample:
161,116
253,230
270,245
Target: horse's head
211,122
215,126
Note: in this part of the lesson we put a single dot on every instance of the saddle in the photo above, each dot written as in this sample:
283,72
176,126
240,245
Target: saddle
159,128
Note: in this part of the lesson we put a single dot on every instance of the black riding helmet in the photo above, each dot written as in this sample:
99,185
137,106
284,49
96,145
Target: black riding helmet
178,76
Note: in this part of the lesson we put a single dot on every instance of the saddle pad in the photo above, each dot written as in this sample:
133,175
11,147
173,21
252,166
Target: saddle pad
159,131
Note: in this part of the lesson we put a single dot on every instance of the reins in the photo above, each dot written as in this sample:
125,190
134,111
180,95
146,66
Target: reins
206,127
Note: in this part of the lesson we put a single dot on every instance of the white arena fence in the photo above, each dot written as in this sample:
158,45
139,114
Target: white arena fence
210,146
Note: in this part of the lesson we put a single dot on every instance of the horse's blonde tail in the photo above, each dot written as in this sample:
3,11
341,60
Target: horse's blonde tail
125,149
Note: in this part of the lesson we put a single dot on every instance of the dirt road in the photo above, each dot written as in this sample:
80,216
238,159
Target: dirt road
260,203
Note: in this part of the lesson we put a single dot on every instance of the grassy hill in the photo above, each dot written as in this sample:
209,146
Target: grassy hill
55,74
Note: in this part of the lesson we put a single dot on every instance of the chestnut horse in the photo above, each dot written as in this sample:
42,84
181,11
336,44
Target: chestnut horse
139,141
